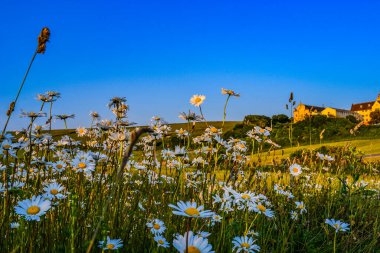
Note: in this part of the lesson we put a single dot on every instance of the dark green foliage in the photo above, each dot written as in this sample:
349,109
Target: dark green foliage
352,119
280,119
375,117
257,120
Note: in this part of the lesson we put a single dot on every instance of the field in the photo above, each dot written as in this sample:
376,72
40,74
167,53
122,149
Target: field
112,187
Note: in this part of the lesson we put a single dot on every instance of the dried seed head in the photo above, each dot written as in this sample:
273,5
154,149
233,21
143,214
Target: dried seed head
42,39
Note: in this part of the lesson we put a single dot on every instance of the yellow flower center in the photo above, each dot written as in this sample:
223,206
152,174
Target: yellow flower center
192,249
262,130
192,211
181,131
6,146
300,206
82,165
110,246
213,129
160,241
295,170
156,226
336,226
59,166
196,101
54,191
33,210
245,196
261,208
245,245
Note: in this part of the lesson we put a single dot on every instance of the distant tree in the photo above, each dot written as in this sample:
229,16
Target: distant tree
280,118
352,119
257,120
375,117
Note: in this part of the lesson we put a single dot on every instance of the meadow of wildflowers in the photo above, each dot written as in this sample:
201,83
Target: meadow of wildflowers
111,186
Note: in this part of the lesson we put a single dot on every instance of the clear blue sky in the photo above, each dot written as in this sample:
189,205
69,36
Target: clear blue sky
159,53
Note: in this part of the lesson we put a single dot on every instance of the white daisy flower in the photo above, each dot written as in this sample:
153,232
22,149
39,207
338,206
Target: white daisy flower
15,225
161,241
32,209
338,225
260,208
301,207
195,244
53,191
190,209
295,169
156,226
111,244
245,244
197,100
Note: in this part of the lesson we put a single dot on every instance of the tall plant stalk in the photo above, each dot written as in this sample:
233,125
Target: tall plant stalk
42,39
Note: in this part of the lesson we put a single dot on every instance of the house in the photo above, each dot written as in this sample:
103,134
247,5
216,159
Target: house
366,108
302,111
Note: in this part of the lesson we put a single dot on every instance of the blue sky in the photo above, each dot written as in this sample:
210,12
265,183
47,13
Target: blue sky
159,53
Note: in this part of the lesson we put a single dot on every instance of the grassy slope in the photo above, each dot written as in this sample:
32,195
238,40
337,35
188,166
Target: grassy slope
371,146
368,147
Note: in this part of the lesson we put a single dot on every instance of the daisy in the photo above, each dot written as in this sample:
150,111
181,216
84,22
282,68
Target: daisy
295,169
260,208
15,225
59,166
32,209
301,207
197,100
161,241
156,226
190,209
203,234
230,92
53,191
81,131
294,215
111,244
195,244
338,225
245,244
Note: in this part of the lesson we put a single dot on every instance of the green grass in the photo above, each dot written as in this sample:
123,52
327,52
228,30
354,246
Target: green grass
368,147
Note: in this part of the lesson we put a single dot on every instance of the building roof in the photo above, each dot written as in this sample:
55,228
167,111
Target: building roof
362,106
314,108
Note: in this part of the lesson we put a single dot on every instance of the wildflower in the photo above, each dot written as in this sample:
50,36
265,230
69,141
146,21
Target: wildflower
194,244
325,157
203,234
260,208
81,131
293,215
190,209
156,226
179,151
245,244
15,225
59,166
53,191
301,207
230,93
295,169
32,209
191,116
338,225
261,131
181,132
111,244
161,241
197,100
